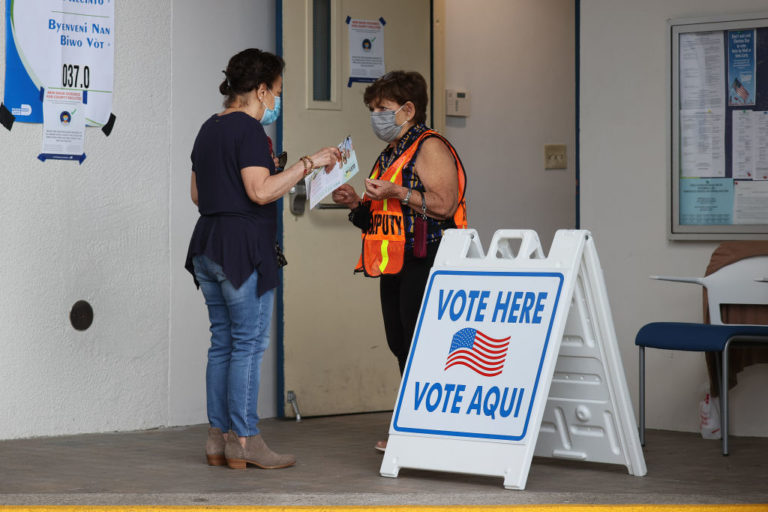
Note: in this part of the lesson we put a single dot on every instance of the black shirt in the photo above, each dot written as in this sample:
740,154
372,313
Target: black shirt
232,230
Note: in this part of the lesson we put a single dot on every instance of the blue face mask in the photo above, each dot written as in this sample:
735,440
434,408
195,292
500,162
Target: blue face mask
271,114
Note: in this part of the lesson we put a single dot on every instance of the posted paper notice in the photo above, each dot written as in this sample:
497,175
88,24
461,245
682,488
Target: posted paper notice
743,144
750,202
702,143
64,44
63,124
702,70
761,148
706,201
741,67
366,49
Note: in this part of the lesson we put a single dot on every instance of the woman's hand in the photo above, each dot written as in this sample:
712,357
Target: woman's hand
383,189
346,195
326,157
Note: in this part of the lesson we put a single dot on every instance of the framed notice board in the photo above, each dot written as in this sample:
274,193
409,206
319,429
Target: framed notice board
719,128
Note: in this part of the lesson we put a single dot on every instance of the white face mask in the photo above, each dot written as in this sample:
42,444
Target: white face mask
383,124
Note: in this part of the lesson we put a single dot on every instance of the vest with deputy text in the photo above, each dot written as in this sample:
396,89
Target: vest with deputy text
383,249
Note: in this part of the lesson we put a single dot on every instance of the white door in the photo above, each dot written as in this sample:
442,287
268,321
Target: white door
336,358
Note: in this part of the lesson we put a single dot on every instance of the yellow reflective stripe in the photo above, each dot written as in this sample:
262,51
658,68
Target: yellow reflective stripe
384,255
397,172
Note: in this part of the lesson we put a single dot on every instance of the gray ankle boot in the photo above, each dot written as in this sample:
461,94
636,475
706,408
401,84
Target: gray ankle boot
256,452
214,447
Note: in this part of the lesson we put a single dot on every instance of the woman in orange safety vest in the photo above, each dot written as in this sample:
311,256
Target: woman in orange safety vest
415,192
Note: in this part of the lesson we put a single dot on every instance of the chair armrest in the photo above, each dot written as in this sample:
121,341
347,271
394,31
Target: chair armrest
692,280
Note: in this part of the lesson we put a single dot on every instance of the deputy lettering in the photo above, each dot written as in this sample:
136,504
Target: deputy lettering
522,307
384,223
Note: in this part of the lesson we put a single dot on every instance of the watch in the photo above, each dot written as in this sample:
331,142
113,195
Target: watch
407,197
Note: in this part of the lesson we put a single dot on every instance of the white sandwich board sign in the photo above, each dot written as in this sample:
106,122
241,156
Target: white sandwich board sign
513,354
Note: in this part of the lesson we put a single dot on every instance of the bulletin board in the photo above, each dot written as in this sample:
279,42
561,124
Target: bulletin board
719,128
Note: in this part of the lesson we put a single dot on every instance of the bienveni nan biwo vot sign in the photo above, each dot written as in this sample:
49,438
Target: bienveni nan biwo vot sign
63,45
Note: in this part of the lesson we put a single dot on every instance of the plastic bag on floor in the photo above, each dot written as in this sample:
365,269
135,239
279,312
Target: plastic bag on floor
709,417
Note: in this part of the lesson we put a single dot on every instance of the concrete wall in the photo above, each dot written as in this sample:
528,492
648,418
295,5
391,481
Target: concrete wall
114,232
205,35
624,102
98,232
517,60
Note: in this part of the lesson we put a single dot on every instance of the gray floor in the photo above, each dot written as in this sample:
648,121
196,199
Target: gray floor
338,466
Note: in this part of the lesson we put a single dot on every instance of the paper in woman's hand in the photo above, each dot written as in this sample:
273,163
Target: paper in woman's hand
320,184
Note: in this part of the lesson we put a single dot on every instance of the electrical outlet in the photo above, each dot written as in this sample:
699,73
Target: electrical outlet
555,156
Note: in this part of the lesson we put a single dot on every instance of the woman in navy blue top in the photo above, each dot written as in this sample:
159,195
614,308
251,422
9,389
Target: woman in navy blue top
232,253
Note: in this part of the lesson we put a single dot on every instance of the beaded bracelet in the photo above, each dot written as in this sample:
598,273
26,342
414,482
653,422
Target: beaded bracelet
308,164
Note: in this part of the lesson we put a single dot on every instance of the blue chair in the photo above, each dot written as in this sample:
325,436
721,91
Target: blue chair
741,282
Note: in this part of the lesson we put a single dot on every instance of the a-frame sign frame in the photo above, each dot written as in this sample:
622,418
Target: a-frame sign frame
514,354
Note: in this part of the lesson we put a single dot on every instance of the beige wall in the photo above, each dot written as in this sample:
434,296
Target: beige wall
517,60
624,132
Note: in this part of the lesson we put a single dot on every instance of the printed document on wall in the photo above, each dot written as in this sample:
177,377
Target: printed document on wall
743,144
59,44
761,147
706,201
366,50
702,71
750,202
702,143
63,125
741,67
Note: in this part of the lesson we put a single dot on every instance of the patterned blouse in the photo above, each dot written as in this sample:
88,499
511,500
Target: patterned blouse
411,179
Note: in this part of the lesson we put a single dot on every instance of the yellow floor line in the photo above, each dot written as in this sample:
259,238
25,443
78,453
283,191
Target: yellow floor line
402,508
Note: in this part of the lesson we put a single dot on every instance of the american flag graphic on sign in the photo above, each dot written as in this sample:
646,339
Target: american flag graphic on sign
478,352
740,90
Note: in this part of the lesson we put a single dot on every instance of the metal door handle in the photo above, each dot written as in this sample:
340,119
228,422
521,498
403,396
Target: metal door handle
297,198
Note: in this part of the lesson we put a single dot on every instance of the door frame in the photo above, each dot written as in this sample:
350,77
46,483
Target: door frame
577,108
279,302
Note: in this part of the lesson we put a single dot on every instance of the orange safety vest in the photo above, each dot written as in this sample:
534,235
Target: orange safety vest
384,242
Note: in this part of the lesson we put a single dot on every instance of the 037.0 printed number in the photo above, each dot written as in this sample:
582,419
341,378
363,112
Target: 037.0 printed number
72,77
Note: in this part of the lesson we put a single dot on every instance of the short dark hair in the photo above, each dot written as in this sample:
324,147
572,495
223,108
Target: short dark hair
400,86
249,69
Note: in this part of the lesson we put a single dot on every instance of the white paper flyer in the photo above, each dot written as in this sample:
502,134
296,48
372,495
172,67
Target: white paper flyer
63,125
320,184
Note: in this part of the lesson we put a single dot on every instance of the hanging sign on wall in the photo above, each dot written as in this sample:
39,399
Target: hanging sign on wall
63,125
366,50
59,45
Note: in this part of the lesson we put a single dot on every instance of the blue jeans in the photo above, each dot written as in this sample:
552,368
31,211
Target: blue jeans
240,328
